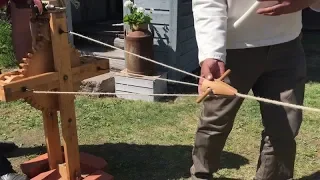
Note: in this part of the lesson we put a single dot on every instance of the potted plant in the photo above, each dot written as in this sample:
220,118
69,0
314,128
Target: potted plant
138,40
137,18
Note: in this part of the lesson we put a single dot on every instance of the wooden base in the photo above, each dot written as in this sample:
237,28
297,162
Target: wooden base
91,168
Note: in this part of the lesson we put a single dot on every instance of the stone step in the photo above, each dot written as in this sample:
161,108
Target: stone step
101,83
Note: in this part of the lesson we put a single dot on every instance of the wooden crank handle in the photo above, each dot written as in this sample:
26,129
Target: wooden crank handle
207,92
224,75
204,95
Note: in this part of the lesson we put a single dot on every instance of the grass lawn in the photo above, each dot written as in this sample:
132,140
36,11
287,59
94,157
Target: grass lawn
146,141
143,140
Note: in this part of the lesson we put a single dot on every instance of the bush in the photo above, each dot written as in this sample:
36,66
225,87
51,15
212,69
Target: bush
6,48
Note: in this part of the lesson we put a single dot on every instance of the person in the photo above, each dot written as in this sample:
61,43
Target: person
21,47
260,42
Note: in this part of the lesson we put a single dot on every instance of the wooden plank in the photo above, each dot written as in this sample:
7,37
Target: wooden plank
157,4
187,46
62,61
160,31
14,90
186,34
172,59
140,85
187,62
160,17
133,89
52,137
185,21
69,20
145,83
76,14
90,70
136,97
189,56
89,11
185,8
162,57
161,42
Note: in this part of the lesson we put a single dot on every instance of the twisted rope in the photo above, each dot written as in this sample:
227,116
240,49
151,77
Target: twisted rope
265,100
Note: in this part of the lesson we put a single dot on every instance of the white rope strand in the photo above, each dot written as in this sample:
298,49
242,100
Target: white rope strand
185,95
147,59
179,70
277,102
107,93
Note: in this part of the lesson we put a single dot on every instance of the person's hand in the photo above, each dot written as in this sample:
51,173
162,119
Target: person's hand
38,4
211,69
284,7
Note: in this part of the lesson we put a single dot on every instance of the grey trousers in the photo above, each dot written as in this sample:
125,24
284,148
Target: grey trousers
276,72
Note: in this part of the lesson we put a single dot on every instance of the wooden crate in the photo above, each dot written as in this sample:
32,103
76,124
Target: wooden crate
142,85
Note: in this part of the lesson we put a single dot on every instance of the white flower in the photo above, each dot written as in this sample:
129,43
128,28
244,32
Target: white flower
151,10
128,4
140,9
134,6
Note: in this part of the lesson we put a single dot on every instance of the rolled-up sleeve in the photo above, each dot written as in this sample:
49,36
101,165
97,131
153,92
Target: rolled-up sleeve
316,6
210,23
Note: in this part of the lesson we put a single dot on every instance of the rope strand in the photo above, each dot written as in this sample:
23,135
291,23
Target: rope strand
179,70
147,59
269,101
109,93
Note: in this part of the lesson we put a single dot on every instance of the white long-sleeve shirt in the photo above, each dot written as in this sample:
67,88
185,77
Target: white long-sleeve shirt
234,24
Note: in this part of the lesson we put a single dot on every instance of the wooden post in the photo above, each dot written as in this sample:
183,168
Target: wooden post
51,131
62,61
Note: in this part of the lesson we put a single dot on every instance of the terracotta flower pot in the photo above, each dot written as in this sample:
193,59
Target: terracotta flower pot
139,41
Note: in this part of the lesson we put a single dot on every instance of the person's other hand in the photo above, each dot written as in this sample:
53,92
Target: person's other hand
284,7
211,69
38,3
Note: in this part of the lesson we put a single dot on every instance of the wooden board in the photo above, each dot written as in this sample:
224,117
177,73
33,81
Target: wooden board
157,4
145,85
52,137
62,61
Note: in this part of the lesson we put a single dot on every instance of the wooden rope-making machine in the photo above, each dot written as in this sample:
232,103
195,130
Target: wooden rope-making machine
54,64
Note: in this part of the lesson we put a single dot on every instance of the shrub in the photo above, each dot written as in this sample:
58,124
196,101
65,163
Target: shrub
6,48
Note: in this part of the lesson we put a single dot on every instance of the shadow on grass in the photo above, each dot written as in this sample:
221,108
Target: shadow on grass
131,161
314,176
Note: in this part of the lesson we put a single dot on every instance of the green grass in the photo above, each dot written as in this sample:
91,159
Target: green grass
6,48
143,140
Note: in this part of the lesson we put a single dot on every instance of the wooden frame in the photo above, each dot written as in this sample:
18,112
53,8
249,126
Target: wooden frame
64,164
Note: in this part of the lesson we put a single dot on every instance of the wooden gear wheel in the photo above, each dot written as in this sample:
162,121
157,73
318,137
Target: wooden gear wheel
38,61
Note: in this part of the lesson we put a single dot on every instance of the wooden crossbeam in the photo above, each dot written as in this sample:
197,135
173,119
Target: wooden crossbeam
23,88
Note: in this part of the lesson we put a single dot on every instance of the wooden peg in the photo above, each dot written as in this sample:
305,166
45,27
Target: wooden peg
217,86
